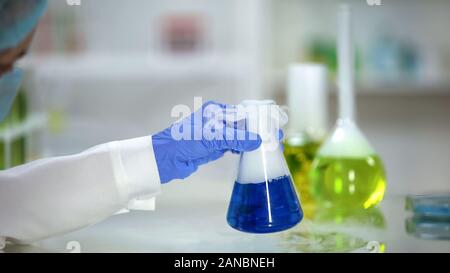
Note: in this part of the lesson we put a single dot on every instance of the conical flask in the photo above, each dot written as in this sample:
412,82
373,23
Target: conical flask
347,173
264,198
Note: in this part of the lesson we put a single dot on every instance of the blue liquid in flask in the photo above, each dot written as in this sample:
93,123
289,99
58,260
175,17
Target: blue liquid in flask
264,207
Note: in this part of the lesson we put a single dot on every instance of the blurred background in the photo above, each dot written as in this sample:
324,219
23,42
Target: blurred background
110,69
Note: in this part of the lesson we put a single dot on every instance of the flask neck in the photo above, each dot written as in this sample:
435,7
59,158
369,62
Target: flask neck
267,162
266,120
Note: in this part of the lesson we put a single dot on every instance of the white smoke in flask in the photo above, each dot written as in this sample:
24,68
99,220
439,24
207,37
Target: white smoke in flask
266,163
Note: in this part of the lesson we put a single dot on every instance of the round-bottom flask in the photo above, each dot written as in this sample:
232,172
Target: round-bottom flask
347,173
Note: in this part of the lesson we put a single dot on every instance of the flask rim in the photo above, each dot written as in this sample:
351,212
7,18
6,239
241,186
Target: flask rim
258,102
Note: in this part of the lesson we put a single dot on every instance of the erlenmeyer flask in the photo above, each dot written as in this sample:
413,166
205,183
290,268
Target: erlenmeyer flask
264,198
347,172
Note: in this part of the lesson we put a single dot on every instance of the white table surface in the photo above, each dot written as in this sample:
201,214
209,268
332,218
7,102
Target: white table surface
191,217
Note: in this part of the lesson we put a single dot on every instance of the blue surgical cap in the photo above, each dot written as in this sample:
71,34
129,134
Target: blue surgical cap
17,19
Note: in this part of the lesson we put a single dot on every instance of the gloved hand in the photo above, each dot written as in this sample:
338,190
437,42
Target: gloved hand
206,137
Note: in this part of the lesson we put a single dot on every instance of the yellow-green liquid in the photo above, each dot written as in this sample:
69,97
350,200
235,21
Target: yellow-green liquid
299,159
17,153
348,182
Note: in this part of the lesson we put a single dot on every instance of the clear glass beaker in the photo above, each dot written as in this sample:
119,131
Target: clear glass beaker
264,199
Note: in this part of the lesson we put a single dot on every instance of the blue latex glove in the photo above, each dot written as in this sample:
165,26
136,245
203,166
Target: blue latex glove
17,19
9,85
177,159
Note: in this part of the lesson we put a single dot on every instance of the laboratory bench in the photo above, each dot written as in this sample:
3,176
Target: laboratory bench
190,216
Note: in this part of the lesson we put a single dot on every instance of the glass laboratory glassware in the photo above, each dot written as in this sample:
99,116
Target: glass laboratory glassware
264,198
428,227
13,146
347,173
308,105
429,205
430,217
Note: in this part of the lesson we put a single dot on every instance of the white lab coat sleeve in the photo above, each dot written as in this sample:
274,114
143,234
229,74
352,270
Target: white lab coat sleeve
57,195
